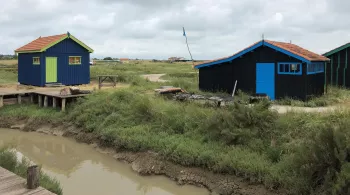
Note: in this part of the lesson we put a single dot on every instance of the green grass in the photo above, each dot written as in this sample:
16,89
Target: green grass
31,111
298,153
234,140
335,95
9,161
8,76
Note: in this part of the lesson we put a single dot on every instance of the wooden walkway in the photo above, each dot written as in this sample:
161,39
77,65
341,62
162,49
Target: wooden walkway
11,184
42,97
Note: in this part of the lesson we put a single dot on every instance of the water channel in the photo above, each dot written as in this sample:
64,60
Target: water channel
81,169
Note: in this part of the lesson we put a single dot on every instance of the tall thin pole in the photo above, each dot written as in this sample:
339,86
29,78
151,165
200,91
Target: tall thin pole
188,47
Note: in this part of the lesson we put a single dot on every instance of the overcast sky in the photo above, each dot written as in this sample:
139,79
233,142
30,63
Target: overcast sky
153,28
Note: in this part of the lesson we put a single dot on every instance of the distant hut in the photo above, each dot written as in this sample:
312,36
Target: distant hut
271,68
337,72
124,60
55,59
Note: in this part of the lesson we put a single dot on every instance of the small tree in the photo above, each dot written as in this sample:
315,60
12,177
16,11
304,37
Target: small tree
107,58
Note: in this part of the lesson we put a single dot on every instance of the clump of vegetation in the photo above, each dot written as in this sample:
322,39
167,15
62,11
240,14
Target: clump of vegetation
301,153
334,95
9,161
31,111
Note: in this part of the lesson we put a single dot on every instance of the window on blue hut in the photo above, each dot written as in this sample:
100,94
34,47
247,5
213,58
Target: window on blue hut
36,60
315,68
289,68
74,60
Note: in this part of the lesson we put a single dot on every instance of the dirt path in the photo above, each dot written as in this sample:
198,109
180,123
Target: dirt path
154,77
285,109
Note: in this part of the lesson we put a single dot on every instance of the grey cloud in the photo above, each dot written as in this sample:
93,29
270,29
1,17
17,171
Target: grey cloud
153,28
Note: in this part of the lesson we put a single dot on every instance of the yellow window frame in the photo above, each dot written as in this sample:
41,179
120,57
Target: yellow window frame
36,62
75,62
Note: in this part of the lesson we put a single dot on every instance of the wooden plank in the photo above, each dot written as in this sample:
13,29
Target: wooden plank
1,101
54,102
19,99
57,95
46,101
40,99
63,105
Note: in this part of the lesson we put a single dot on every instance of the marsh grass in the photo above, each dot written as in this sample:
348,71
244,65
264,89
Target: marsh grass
8,76
334,95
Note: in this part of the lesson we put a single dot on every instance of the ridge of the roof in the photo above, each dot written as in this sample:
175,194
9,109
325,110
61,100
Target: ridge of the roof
43,43
40,43
288,48
337,49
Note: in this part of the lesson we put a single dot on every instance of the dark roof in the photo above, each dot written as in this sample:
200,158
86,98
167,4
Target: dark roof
286,48
42,43
336,50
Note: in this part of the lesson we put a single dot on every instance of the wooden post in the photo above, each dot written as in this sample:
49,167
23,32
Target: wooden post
33,176
19,99
114,81
31,98
63,104
40,100
54,102
99,82
1,101
46,101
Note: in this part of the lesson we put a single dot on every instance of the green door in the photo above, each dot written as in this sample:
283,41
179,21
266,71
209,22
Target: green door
51,70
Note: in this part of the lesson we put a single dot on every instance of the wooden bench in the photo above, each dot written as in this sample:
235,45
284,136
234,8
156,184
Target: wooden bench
103,78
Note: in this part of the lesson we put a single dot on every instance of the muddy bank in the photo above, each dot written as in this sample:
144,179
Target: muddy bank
145,163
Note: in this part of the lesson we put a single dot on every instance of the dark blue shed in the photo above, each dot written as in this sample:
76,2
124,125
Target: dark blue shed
54,59
271,68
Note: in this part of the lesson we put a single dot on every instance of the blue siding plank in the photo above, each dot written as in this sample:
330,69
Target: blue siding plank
29,74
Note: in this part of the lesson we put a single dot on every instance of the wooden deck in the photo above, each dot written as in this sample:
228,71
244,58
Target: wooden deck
11,184
43,97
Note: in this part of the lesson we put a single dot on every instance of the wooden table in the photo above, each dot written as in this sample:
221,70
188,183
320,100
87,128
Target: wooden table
103,78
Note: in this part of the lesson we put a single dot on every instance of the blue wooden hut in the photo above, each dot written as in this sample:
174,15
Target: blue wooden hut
272,68
54,59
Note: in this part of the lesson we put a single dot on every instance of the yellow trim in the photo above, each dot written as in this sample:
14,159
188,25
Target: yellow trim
74,62
58,41
34,63
36,51
81,43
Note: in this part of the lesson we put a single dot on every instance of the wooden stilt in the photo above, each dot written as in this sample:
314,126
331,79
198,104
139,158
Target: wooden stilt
54,102
63,105
99,83
1,101
31,98
33,176
46,101
40,100
19,99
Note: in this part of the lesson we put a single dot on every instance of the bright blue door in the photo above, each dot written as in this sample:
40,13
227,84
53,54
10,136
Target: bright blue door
265,79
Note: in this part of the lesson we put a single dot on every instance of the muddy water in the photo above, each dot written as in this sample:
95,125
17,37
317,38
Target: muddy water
82,170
